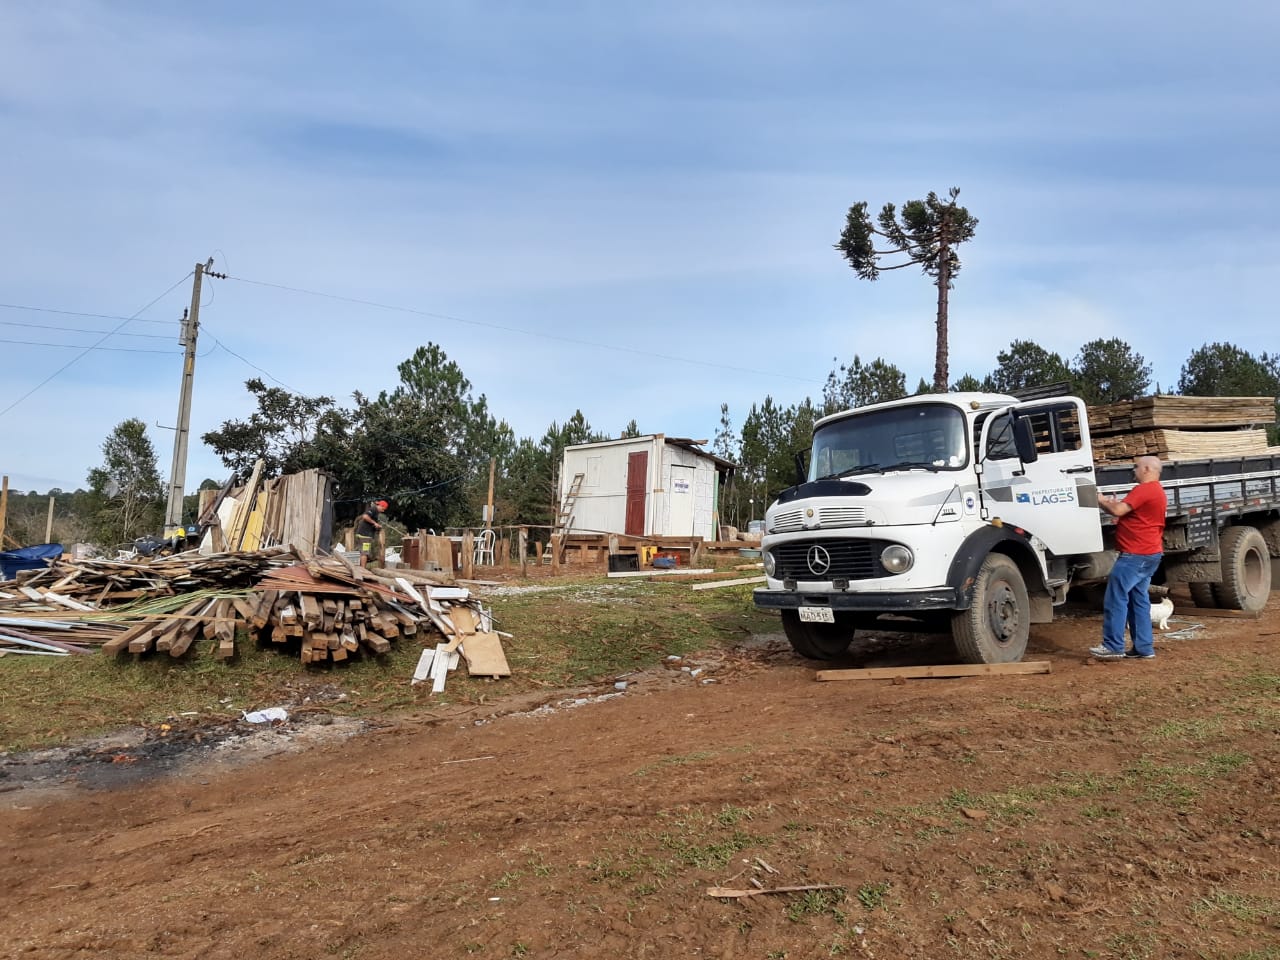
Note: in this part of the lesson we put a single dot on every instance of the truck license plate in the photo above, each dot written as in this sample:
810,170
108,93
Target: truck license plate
817,615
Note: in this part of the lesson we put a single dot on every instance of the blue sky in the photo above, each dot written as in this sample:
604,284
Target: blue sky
627,209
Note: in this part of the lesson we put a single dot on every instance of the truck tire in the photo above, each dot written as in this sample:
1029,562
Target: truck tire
1202,594
817,641
997,624
1246,569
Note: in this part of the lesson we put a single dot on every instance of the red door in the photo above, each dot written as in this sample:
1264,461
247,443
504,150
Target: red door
637,480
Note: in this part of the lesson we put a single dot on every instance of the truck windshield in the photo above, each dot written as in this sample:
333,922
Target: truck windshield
930,436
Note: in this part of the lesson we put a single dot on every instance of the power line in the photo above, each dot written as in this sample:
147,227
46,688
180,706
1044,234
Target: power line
509,329
76,346
218,343
86,350
49,326
77,313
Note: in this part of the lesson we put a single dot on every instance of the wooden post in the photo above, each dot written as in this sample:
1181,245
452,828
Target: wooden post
4,507
524,551
556,550
48,526
468,555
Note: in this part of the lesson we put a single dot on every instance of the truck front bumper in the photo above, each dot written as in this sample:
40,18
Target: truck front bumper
901,601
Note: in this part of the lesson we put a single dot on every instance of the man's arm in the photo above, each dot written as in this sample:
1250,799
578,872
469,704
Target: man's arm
1114,506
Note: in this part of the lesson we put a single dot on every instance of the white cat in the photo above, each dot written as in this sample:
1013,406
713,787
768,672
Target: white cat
1161,612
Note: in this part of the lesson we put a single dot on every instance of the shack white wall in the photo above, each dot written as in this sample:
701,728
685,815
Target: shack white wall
703,493
602,500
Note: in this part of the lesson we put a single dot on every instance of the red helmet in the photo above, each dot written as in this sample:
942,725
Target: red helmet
382,505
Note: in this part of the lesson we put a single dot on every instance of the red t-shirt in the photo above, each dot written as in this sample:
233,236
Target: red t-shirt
1141,529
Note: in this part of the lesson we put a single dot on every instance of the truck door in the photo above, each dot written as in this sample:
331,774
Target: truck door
1056,497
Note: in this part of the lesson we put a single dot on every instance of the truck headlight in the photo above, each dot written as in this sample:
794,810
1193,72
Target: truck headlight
769,563
897,558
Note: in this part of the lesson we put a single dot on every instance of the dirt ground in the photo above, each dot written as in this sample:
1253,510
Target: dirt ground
1102,810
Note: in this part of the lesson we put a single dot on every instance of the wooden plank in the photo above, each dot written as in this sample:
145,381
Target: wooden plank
677,571
441,663
422,671
951,670
1192,613
728,583
121,642
484,655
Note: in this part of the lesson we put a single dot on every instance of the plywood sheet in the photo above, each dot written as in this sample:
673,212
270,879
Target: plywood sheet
484,656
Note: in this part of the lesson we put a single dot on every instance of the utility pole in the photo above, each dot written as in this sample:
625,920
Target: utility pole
178,473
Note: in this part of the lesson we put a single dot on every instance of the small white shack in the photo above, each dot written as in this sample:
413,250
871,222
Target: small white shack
649,486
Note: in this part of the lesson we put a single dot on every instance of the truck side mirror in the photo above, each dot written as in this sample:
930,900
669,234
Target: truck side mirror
802,466
1024,440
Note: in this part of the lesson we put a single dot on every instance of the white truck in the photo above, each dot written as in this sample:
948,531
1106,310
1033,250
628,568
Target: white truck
976,512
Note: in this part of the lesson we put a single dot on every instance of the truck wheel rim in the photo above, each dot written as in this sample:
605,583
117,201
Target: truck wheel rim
1002,613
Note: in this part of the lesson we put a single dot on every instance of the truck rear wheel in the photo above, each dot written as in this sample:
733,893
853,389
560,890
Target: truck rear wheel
1202,594
1246,569
817,641
997,624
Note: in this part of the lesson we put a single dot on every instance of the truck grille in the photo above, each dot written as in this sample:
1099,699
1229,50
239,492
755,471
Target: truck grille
829,560
787,521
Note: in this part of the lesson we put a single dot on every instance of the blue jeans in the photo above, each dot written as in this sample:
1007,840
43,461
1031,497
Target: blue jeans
1128,602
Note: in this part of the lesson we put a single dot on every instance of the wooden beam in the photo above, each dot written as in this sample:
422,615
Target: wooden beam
951,670
728,583
1192,613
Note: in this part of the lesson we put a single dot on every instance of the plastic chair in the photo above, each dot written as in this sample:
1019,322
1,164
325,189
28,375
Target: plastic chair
482,554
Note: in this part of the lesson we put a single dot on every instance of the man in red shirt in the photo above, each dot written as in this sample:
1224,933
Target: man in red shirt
1140,542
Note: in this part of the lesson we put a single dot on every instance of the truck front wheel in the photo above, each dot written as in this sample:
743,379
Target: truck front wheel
997,624
1246,569
817,641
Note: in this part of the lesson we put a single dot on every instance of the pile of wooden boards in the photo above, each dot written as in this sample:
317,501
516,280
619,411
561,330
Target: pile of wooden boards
1180,428
295,509
328,607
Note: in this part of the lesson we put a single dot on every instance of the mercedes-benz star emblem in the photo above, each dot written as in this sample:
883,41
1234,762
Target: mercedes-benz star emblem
818,559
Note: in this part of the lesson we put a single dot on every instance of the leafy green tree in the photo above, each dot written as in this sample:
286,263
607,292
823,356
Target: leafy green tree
531,481
127,493
969,384
725,444
1225,370
1026,364
859,384
1107,371
927,234
632,429
280,432
771,437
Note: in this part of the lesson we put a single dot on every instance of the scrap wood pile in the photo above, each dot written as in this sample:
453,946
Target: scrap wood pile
330,608
1180,428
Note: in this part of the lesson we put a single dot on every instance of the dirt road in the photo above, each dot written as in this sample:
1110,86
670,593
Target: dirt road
1104,810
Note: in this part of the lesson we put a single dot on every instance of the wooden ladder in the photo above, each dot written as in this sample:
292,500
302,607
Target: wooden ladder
564,519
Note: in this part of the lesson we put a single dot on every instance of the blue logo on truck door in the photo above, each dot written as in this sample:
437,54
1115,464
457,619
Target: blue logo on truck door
1054,495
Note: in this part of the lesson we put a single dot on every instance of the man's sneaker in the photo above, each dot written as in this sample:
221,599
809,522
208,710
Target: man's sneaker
1101,652
1135,655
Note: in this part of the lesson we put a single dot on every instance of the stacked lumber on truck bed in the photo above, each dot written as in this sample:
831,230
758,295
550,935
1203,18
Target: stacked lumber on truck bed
1180,428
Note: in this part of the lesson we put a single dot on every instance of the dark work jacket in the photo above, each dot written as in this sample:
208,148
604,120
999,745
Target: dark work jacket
365,525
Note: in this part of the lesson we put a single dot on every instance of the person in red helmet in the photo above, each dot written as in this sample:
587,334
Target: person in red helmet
367,527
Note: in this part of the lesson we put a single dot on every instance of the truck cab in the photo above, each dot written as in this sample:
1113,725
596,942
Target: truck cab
965,509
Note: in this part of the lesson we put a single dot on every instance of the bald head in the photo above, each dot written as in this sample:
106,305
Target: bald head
1147,468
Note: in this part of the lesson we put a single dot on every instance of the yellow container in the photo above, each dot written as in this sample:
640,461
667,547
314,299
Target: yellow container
647,553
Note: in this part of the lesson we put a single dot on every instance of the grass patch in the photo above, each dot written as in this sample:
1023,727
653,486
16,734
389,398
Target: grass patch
614,627
1240,907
